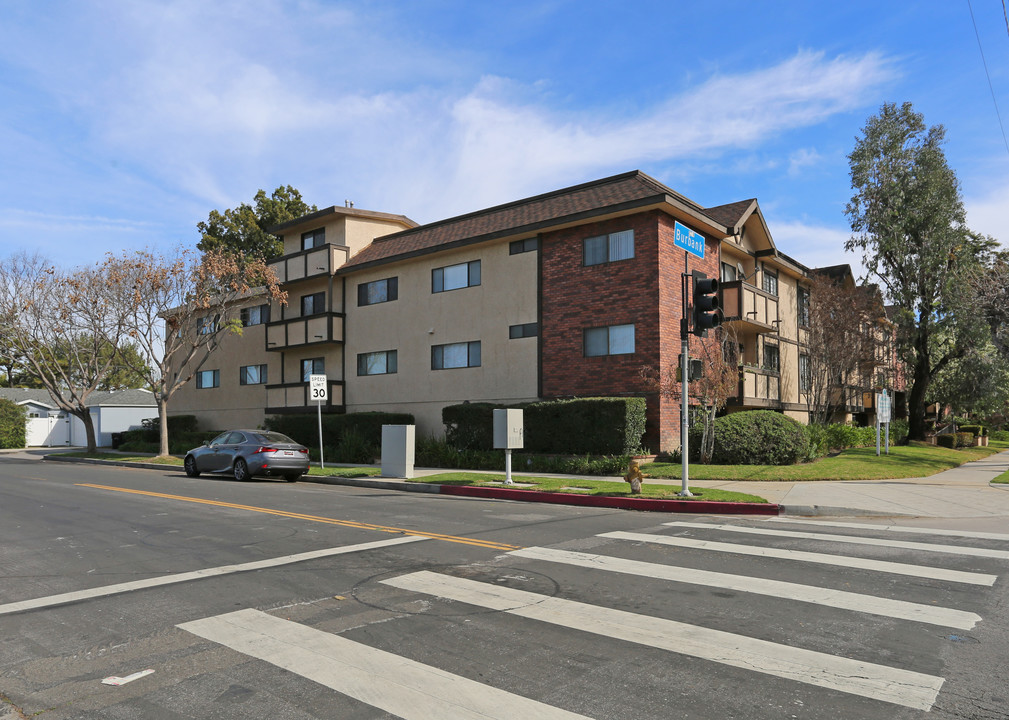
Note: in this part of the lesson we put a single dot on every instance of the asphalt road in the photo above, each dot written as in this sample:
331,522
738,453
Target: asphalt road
276,600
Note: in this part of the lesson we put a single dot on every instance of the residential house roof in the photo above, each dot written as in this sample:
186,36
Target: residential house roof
625,192
99,398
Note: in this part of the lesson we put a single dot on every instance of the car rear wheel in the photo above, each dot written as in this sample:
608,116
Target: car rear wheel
190,464
294,477
241,470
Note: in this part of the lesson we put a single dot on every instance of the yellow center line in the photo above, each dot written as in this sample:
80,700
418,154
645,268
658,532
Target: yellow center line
313,518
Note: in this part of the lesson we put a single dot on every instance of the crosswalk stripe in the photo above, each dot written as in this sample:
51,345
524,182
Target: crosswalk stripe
855,540
946,617
921,571
897,528
106,590
893,685
392,683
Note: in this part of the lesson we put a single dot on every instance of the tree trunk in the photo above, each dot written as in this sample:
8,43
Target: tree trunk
163,423
916,398
89,428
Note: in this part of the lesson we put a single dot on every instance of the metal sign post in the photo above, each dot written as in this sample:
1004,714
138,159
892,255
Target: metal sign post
692,243
318,390
884,409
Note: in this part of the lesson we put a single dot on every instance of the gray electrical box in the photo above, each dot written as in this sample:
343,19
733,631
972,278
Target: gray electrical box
509,429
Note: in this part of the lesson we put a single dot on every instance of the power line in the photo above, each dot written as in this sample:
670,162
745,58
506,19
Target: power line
987,75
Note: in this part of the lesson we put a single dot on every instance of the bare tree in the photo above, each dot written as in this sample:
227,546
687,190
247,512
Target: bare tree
718,382
844,334
59,325
177,308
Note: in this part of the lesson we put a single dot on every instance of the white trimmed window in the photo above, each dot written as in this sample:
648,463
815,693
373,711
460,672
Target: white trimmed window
611,340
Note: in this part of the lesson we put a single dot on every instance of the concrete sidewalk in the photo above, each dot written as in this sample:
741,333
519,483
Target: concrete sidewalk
961,494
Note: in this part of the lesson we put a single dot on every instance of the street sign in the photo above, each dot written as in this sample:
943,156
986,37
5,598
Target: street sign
684,237
318,387
884,406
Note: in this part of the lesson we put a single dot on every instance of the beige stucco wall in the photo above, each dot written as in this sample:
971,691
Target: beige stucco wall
231,404
420,319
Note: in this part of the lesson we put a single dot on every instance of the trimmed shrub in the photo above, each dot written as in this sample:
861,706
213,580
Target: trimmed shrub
976,430
13,421
432,452
817,439
964,439
364,429
947,440
584,426
841,436
1000,435
758,437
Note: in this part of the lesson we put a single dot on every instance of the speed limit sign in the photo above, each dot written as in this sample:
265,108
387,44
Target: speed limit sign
317,387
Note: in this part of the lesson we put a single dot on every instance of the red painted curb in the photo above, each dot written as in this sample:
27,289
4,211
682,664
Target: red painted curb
683,506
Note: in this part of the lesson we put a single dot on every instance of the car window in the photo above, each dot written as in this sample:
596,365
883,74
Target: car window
275,437
235,438
219,440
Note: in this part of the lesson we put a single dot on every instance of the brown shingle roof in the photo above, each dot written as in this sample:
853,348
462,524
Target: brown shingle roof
730,215
626,191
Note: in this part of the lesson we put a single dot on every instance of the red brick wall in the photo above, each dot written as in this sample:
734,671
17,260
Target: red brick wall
644,290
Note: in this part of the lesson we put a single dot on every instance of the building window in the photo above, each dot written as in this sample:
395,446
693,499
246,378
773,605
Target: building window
456,355
378,291
612,340
729,273
523,331
772,358
523,246
313,304
377,363
313,239
256,315
770,282
608,248
252,375
206,326
208,379
312,366
805,374
455,277
803,309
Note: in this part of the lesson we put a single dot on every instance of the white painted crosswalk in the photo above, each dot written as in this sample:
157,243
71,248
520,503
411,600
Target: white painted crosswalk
417,691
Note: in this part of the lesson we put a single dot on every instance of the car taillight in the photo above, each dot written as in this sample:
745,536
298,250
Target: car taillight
303,451
265,450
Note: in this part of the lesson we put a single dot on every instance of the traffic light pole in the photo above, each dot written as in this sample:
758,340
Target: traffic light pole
684,379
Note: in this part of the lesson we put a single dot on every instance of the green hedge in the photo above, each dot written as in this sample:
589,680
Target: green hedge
13,420
432,452
350,438
754,437
976,430
584,426
947,440
1000,435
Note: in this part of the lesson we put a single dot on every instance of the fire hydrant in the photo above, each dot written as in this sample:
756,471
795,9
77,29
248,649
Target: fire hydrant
634,476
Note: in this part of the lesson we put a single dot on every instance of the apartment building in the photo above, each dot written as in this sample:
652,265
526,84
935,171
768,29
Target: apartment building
565,294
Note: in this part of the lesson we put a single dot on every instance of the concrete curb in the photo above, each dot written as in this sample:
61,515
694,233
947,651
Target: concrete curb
645,504
828,511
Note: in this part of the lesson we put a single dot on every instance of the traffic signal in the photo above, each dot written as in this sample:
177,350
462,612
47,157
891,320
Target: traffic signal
705,304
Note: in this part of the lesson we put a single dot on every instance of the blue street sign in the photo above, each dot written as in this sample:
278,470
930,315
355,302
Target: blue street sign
684,237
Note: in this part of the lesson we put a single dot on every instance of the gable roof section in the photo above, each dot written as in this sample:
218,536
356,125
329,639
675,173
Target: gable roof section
733,215
620,193
320,215
99,398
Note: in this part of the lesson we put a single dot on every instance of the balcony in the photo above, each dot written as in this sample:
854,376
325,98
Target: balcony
758,388
304,331
309,264
747,308
293,397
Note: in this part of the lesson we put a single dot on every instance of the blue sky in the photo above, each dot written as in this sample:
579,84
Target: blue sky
124,122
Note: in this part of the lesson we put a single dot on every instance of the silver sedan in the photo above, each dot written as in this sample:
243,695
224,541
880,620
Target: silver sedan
249,453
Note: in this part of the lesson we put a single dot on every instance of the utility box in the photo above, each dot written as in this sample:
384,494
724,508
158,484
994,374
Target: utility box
398,450
509,429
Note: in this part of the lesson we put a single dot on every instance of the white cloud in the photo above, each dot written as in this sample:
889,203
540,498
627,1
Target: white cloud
800,159
816,245
986,214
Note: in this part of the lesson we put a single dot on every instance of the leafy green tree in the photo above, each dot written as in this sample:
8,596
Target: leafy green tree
976,384
243,230
908,219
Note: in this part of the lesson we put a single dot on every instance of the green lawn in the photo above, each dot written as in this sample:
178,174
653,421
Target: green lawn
855,464
587,487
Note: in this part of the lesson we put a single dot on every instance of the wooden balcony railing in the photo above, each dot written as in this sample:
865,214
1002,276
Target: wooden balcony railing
748,307
308,264
301,331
